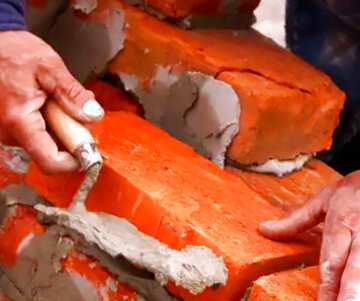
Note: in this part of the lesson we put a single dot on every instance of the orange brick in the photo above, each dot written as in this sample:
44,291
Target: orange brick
14,230
8,177
180,9
175,195
23,223
293,190
287,107
296,285
112,98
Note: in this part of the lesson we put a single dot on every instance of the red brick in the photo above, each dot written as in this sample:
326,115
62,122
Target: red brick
287,107
175,195
296,285
293,190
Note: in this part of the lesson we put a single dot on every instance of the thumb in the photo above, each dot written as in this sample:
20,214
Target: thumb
78,102
300,220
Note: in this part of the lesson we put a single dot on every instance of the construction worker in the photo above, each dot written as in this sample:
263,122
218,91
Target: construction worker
324,32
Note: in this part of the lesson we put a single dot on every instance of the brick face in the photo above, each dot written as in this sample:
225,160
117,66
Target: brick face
293,190
173,194
279,97
296,285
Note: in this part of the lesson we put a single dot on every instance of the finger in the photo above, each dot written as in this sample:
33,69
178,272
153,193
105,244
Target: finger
334,253
69,93
31,134
300,220
350,282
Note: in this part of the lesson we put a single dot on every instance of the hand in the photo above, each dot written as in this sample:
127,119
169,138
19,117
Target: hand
30,73
339,204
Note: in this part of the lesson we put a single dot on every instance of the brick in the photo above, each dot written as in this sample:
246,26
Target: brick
293,190
112,98
181,9
8,177
296,285
287,107
22,224
171,193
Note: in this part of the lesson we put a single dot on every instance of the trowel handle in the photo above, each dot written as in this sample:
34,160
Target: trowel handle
70,132
73,135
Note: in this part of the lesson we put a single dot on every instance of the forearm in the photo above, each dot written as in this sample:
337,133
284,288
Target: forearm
12,14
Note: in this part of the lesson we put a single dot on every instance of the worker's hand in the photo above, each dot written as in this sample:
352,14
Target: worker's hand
339,204
30,73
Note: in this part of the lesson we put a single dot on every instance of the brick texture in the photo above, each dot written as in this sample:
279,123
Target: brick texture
296,285
180,198
287,106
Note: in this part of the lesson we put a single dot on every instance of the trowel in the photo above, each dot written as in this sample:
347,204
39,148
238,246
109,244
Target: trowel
80,143
75,138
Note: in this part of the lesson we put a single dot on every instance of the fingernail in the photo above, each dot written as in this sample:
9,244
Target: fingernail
93,110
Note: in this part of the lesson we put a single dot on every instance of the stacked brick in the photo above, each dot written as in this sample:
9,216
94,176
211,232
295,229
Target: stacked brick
286,107
159,184
171,193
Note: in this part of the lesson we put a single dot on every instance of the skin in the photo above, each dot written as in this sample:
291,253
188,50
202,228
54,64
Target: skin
31,73
339,206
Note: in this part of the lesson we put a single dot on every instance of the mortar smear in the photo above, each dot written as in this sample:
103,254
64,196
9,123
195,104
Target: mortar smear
193,268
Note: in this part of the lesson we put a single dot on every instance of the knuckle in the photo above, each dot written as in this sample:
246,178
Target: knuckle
329,270
73,91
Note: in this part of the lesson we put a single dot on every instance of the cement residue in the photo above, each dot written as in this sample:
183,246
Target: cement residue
193,268
39,20
14,158
195,108
87,46
38,276
85,6
36,250
281,167
139,280
19,194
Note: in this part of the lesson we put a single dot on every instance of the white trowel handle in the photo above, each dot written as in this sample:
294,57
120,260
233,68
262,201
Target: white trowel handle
74,136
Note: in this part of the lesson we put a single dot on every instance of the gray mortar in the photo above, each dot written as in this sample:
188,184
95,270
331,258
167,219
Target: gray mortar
11,290
86,6
281,167
37,274
115,243
40,20
141,281
193,268
195,108
14,158
87,46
